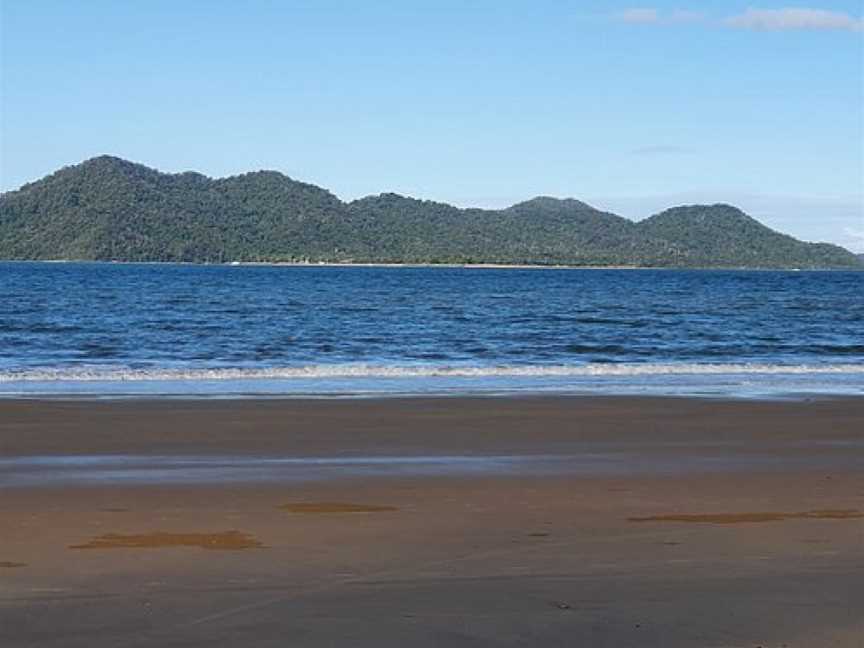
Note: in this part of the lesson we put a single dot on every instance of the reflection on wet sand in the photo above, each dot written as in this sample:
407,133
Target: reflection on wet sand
334,507
742,518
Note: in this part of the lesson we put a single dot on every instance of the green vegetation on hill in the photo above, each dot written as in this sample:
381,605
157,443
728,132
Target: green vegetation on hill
722,235
110,209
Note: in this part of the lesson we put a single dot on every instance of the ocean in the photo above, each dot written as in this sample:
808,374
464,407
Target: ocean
131,330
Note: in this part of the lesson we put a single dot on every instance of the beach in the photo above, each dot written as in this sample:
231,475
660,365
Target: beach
553,521
431,325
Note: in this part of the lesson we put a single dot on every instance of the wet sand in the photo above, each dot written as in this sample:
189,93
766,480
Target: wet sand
732,523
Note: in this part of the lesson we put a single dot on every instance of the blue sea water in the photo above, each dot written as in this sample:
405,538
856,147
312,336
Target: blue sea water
88,329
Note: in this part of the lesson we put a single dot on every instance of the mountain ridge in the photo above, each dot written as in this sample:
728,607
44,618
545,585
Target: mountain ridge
108,208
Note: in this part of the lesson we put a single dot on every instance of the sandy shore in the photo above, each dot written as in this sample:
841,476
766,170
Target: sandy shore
668,522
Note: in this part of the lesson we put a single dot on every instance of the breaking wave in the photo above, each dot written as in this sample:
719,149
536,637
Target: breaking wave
373,371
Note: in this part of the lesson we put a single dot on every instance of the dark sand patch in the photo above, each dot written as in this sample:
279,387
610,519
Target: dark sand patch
334,507
226,540
114,509
5,564
743,518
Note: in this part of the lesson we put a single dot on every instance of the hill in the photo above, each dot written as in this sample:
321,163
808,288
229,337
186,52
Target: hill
723,235
110,209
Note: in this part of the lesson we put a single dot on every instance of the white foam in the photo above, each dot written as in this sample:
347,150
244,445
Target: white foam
372,371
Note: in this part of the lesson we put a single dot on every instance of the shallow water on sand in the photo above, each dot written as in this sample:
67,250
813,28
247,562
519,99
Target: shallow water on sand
596,460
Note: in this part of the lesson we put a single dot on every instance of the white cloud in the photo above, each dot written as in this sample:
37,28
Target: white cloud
794,18
790,18
640,16
650,16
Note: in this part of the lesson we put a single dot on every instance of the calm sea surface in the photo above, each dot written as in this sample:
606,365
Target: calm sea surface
113,330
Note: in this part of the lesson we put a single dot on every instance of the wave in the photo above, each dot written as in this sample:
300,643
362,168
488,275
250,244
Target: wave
373,371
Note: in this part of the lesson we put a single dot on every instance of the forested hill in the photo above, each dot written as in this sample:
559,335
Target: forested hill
110,209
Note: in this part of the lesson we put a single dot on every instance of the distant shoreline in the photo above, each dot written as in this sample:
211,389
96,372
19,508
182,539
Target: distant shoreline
467,266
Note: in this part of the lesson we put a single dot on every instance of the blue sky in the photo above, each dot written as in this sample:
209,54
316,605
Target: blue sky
632,107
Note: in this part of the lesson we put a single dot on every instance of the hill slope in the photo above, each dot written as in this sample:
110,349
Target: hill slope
723,235
107,208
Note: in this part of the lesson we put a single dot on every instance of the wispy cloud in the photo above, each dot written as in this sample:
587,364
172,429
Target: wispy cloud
639,16
662,149
794,18
686,16
652,16
786,19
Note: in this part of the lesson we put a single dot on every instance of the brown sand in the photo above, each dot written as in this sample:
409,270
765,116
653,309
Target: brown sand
484,560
